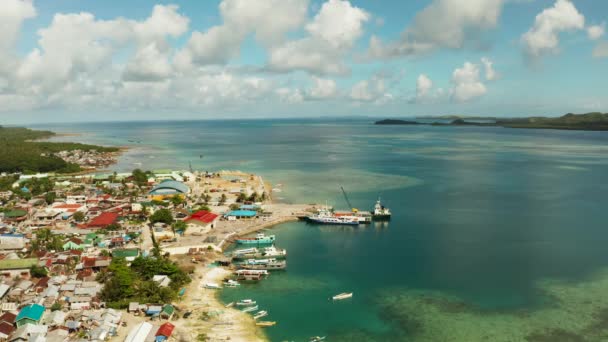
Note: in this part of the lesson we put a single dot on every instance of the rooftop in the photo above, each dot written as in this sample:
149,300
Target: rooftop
203,216
103,220
16,264
170,187
32,311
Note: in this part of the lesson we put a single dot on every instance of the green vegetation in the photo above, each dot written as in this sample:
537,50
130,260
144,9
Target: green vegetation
78,216
584,122
56,306
126,284
20,154
38,271
162,215
45,240
140,177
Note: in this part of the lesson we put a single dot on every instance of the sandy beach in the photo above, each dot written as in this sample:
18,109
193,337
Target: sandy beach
210,317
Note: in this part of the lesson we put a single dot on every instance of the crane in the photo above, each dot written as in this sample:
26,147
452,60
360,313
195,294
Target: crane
354,210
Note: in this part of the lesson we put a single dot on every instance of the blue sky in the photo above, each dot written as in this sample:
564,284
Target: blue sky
67,60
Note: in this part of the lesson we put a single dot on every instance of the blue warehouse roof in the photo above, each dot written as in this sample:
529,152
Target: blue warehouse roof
242,213
32,311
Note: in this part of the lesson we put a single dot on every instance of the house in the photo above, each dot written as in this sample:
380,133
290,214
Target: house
238,214
201,221
164,332
16,267
12,242
30,314
128,253
73,244
103,220
6,329
29,333
55,318
167,312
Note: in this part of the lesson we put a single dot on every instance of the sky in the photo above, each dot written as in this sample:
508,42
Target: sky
72,60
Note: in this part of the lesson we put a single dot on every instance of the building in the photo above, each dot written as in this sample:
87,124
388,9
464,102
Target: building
238,214
164,332
31,314
169,188
16,267
139,332
201,220
103,220
128,253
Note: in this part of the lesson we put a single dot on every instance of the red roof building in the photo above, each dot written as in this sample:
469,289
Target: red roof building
103,220
8,317
6,329
202,217
165,330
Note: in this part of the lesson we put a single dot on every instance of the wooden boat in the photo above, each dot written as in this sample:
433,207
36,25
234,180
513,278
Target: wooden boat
246,302
251,308
341,296
260,314
265,323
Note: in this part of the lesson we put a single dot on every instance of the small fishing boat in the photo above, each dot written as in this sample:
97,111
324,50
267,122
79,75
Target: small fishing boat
317,338
231,283
246,302
259,239
251,309
341,296
212,286
266,323
229,305
260,314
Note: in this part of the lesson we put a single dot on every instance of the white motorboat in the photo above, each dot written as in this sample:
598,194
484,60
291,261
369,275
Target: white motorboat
231,283
341,296
213,286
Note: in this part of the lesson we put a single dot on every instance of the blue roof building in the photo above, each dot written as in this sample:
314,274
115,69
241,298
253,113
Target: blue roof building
169,187
31,314
242,214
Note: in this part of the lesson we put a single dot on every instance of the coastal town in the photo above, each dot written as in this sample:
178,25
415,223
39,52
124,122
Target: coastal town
132,256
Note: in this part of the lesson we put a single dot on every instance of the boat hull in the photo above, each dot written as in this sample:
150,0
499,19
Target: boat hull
333,223
381,217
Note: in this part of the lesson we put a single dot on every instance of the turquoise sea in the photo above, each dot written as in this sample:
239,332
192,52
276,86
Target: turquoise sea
497,234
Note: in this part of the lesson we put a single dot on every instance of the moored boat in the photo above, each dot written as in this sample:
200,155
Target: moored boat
341,296
264,264
257,253
381,212
245,302
259,239
260,314
327,217
251,275
213,286
266,323
250,309
231,283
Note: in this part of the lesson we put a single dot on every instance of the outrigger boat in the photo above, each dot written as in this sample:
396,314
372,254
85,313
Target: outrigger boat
245,302
342,296
251,308
266,323
260,314
259,239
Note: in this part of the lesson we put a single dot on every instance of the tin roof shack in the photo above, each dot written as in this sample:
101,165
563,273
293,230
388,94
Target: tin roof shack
128,253
30,314
164,332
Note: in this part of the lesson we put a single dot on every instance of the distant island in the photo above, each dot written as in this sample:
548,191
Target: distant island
584,122
21,153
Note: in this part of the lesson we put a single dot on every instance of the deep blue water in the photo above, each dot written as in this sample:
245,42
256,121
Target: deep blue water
481,213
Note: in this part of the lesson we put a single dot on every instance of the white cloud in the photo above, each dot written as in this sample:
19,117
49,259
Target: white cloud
373,90
331,34
423,88
323,88
290,95
270,20
543,37
148,64
466,82
489,71
596,32
442,24
601,50
12,15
